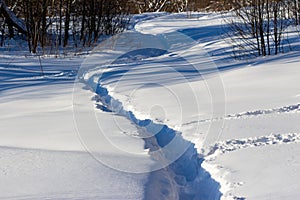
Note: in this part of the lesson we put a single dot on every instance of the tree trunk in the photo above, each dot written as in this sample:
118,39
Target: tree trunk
67,23
12,18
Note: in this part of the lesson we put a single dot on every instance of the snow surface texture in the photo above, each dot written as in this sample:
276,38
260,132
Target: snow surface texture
177,161
168,92
262,99
41,155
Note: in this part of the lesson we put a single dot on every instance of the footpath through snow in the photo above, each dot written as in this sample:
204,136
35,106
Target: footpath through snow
147,103
176,172
163,78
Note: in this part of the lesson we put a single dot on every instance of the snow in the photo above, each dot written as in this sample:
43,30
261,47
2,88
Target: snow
215,99
161,111
41,174
29,116
261,99
268,172
41,154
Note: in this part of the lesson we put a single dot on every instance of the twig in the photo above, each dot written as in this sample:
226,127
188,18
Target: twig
39,56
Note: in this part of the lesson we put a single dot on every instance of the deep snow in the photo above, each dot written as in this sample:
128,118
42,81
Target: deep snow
166,89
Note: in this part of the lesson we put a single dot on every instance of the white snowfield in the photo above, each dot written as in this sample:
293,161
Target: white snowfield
160,112
41,154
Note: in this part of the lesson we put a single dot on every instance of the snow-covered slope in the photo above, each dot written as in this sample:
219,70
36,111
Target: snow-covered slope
159,112
178,72
41,154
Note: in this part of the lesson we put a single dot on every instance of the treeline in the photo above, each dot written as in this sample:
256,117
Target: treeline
59,24
62,23
142,6
259,27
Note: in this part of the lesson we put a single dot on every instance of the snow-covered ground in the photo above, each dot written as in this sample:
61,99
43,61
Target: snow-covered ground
41,154
160,112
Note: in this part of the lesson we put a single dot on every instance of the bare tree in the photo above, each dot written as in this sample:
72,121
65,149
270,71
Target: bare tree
161,5
83,21
258,26
12,19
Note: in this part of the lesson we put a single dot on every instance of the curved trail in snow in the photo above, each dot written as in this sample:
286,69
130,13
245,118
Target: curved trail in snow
181,178
180,175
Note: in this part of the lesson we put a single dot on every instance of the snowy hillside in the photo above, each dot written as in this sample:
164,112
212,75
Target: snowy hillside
161,111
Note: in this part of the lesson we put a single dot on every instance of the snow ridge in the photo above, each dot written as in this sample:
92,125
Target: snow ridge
235,144
182,176
285,109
